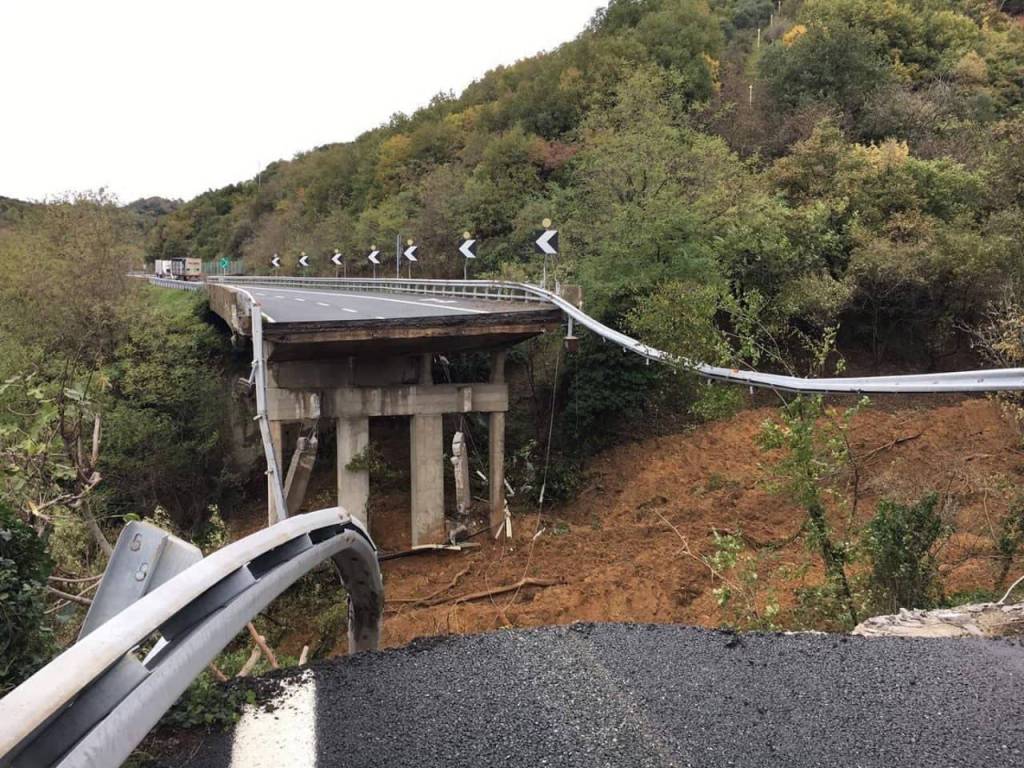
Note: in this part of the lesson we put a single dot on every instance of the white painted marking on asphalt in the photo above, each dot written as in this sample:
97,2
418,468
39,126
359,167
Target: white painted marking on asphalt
279,297
283,738
348,295
381,317
442,301
322,304
353,311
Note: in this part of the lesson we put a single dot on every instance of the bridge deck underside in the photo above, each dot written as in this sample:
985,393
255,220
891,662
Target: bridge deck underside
401,336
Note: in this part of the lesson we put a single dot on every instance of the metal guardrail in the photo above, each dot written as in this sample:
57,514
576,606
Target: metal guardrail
96,701
996,380
178,285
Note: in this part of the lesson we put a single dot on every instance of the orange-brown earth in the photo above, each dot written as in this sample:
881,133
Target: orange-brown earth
629,547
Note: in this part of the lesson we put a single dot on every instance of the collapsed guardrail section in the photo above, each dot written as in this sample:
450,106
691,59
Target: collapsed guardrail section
95,702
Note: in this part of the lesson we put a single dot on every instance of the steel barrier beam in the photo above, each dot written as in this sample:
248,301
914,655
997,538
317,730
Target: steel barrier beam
197,612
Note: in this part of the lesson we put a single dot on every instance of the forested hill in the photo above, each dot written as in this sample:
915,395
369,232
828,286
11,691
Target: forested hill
858,161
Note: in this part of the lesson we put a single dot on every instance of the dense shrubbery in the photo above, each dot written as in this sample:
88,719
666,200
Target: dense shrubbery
25,641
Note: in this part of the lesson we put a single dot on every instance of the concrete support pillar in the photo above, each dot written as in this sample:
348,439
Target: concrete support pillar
427,464
353,485
299,471
496,449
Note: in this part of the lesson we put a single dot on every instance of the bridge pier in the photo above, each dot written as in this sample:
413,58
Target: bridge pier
353,433
350,391
496,447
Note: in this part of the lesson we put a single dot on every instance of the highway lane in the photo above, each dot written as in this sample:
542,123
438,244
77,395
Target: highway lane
293,305
642,695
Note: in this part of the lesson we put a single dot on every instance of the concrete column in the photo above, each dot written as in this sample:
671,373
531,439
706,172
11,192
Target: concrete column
277,438
353,485
427,464
496,449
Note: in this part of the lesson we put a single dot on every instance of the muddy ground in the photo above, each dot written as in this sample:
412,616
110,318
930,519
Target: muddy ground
630,547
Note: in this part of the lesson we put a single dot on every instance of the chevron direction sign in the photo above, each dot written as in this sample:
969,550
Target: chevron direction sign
410,252
468,249
303,260
547,243
373,257
276,261
336,259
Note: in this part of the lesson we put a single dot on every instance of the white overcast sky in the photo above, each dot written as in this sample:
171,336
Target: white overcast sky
175,98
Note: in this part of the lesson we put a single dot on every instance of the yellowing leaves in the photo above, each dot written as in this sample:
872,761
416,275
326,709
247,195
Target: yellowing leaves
794,34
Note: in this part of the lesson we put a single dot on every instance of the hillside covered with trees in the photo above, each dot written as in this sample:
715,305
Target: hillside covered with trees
851,162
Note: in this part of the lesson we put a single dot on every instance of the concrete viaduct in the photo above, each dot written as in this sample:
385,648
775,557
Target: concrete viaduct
349,355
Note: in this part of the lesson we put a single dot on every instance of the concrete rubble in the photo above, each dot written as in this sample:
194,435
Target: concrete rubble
977,620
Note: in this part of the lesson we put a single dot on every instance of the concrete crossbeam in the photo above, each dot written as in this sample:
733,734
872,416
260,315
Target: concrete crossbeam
427,470
353,484
297,405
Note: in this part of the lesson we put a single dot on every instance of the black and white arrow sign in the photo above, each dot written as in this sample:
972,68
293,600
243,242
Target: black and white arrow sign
304,260
410,252
468,249
336,259
547,243
276,261
373,257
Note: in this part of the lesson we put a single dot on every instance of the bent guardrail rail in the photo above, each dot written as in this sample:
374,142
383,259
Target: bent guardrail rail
97,700
996,380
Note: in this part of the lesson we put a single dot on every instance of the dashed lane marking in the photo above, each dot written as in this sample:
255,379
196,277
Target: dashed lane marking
347,295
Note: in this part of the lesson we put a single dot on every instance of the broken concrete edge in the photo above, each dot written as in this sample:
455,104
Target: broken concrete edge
974,620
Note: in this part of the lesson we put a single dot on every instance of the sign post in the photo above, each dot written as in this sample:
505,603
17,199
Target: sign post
410,254
547,244
338,260
467,249
374,253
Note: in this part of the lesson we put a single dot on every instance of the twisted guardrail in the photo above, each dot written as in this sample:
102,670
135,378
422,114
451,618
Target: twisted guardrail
97,700
995,380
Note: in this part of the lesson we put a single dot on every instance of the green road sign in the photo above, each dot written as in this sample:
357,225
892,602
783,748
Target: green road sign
224,263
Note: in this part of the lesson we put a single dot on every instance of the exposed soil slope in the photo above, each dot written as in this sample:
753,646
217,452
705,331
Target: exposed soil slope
616,553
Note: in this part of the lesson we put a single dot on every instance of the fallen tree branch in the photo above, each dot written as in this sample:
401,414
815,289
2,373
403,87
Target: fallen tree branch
890,444
261,643
68,596
413,601
248,666
528,582
221,677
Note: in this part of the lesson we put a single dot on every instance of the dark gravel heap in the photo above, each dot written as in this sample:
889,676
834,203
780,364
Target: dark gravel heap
628,695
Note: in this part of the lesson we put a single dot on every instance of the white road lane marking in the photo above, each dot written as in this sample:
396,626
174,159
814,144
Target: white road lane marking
347,295
322,304
279,297
353,311
282,738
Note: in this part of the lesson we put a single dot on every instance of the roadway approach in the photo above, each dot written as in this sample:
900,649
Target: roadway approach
639,695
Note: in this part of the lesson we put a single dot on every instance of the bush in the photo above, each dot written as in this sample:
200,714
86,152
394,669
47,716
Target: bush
25,640
900,542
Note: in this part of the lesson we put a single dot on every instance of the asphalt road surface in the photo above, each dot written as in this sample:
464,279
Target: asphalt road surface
627,695
295,305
